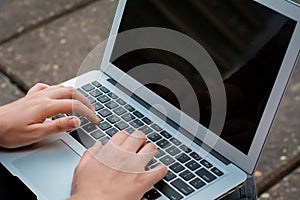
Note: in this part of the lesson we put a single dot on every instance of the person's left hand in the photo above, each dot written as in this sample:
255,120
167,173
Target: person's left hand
23,121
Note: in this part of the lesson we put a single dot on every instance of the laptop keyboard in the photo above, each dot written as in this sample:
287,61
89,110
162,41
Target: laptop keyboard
187,172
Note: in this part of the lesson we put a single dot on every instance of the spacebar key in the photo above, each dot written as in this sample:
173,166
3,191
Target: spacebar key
168,190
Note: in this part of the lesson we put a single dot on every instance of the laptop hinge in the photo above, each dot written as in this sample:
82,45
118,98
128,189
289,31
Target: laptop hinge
170,122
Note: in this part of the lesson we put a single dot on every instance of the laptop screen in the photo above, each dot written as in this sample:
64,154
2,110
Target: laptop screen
246,40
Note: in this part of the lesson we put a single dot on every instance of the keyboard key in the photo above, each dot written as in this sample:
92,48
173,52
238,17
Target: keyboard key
119,111
176,167
130,130
82,138
152,194
129,108
111,104
170,176
136,123
152,161
104,89
121,125
217,172
156,127
147,120
88,87
195,156
83,121
206,163
192,165
168,190
182,187
175,141
113,119
98,106
97,134
121,101
104,140
89,127
173,150
111,132
104,126
128,117
138,114
154,137
103,99
187,175
95,93
104,112
166,134
167,160
183,158
91,99
82,92
112,95
163,143
197,183
145,129
96,84
159,153
185,148
205,175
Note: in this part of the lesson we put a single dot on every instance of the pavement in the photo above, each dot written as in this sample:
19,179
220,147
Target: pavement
46,41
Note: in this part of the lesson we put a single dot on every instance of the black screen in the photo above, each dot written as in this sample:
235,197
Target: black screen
246,40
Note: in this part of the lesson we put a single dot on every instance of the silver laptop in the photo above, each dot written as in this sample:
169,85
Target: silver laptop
203,79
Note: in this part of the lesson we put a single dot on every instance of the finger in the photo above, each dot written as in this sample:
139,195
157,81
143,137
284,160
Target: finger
37,87
156,174
96,147
57,126
134,142
119,138
62,92
146,153
148,148
69,106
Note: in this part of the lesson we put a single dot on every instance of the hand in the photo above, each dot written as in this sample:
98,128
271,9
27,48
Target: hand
23,121
116,170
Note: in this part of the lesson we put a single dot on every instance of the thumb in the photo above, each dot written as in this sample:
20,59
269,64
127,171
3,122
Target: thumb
156,174
60,125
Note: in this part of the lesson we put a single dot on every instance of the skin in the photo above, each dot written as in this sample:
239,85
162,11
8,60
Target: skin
94,179
23,123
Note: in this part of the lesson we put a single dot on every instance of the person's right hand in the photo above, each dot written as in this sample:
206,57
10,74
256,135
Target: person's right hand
23,121
116,171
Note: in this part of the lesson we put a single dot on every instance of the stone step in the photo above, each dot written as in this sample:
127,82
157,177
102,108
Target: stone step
54,52
17,17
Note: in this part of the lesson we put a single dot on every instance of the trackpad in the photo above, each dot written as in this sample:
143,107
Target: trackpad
50,169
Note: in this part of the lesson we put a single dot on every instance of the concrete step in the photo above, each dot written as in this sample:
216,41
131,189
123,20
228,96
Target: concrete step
54,52
17,17
286,189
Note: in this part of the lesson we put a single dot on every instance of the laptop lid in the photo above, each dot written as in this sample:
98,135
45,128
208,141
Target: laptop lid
172,47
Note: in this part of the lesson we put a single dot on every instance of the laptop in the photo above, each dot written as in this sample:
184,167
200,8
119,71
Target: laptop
202,79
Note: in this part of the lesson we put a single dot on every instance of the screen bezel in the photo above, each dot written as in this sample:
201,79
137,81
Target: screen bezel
245,162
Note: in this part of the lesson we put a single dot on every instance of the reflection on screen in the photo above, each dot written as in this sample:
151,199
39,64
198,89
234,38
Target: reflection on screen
246,40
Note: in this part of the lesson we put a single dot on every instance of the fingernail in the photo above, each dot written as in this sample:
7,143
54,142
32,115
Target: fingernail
97,120
74,122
